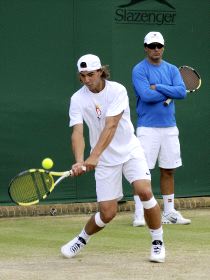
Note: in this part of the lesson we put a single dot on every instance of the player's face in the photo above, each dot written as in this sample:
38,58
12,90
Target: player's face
154,54
92,80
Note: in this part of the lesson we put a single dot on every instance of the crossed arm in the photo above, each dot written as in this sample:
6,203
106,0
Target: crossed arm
154,93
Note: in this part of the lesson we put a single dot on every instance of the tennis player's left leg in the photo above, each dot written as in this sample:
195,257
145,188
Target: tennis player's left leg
150,141
137,173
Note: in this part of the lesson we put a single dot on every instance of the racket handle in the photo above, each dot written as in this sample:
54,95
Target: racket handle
84,168
70,173
167,102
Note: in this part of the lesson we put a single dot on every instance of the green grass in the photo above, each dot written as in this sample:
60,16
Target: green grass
37,241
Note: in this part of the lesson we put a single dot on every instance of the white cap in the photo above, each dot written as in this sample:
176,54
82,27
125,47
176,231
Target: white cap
154,37
89,62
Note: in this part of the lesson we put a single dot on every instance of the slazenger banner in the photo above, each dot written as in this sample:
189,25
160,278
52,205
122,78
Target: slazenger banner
134,13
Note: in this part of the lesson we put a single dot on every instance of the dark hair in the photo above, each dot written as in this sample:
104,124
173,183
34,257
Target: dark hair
105,72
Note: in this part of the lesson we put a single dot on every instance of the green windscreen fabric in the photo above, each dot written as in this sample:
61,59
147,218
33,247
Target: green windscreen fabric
40,43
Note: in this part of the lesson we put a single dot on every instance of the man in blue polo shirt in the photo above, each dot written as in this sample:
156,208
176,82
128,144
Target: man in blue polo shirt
154,81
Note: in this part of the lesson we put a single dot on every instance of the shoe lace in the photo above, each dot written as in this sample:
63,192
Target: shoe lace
75,247
80,243
157,246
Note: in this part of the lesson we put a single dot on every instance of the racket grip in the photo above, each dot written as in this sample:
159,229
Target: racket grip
72,174
84,168
167,102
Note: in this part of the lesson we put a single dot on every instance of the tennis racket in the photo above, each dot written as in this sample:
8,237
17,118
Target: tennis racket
191,79
31,186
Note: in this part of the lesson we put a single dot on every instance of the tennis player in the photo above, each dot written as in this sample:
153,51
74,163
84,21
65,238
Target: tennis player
115,150
154,81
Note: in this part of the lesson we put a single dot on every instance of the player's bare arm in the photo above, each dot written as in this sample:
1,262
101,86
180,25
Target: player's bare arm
104,140
78,147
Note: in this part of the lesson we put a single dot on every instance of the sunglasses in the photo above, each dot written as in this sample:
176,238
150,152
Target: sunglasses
154,46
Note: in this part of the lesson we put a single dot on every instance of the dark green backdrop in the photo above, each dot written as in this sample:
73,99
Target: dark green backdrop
41,41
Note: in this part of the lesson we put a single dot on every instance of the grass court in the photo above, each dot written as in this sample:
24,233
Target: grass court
30,249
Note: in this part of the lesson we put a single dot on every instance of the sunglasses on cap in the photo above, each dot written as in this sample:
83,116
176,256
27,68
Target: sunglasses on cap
153,46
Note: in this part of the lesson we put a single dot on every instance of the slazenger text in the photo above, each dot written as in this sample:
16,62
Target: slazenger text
145,17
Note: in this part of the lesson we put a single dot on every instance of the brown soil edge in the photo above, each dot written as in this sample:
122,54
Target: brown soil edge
87,208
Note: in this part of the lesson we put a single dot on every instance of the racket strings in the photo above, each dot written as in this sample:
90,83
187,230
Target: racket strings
31,186
190,78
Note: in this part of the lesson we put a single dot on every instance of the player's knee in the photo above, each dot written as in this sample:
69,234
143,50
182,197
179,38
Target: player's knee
143,189
145,194
108,215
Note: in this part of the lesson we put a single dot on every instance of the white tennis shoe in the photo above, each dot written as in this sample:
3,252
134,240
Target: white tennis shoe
73,247
139,220
157,252
174,217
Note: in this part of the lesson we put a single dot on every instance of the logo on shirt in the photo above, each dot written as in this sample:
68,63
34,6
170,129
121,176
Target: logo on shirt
98,111
127,13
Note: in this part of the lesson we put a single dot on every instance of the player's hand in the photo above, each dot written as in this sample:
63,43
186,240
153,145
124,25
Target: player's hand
78,168
153,87
91,162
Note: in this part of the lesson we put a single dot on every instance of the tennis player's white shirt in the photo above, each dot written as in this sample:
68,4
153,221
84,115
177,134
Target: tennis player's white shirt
93,108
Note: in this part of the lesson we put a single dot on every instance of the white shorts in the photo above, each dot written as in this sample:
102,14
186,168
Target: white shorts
160,144
109,178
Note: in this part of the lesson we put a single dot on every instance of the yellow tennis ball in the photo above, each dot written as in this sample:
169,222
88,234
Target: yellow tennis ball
47,163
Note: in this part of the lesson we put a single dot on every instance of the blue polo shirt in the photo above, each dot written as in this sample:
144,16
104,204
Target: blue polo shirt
169,84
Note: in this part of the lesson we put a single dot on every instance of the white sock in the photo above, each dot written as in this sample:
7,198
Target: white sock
139,210
168,202
157,234
84,235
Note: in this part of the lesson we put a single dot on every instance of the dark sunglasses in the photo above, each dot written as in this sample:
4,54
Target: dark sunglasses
154,46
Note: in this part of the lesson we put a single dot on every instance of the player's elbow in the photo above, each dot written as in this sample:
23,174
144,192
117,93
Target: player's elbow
183,94
111,127
112,122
